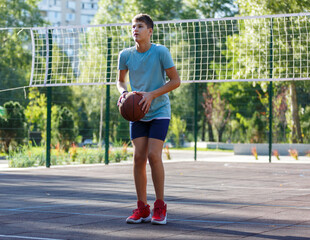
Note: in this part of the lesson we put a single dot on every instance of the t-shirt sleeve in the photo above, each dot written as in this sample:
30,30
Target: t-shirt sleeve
122,61
166,58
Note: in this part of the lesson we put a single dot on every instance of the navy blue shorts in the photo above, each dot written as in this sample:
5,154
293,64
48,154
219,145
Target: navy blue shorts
156,128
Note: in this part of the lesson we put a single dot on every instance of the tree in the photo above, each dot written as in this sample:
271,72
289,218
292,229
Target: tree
256,128
280,108
12,124
306,123
261,7
209,8
212,37
35,111
15,61
208,110
66,128
36,115
177,127
217,111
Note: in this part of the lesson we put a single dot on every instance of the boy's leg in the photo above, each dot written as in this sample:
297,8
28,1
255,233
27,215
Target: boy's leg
155,147
140,146
142,213
158,175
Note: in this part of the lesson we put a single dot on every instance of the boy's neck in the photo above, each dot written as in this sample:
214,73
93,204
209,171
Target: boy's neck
143,47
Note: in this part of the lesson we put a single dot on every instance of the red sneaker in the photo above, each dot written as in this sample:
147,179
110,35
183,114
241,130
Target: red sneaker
141,214
159,212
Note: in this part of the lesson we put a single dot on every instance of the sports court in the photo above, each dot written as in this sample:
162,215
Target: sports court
206,200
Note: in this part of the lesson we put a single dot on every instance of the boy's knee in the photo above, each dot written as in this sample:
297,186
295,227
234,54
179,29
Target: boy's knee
140,158
154,156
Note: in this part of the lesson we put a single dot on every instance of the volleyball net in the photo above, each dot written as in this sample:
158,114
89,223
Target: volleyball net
265,48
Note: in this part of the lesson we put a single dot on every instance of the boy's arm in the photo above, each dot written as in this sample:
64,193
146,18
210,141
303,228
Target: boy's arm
121,85
121,82
168,87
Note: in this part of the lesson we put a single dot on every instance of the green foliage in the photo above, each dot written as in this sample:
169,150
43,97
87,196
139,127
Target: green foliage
118,11
15,61
305,123
265,7
66,128
26,156
12,131
256,129
177,128
122,130
256,37
35,111
209,8
63,121
29,156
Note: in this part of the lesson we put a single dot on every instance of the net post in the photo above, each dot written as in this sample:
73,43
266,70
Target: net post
197,74
270,88
195,120
107,115
49,98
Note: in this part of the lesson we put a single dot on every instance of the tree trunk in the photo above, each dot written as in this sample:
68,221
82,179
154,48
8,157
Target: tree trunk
203,132
210,132
296,129
220,134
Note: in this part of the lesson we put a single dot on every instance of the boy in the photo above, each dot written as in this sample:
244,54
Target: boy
147,64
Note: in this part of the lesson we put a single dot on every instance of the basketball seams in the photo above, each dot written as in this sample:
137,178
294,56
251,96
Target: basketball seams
130,108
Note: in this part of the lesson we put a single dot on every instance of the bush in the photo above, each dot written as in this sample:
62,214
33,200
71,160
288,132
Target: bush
29,156
26,157
66,128
12,124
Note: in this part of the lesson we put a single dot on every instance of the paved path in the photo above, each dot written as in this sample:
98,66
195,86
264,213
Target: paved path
206,200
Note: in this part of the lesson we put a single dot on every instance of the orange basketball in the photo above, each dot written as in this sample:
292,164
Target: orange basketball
130,108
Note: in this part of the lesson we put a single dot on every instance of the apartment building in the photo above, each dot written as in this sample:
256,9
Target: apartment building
68,12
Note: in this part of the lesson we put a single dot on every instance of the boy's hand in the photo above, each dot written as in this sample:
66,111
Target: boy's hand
146,100
122,98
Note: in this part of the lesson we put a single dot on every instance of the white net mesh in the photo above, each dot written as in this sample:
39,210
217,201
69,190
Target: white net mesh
263,48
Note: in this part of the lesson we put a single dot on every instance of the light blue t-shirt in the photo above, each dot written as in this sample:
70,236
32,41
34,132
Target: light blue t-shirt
147,73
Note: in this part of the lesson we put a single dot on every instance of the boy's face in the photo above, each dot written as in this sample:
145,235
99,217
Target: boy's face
140,32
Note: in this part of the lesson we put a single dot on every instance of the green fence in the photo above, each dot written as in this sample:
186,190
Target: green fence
232,113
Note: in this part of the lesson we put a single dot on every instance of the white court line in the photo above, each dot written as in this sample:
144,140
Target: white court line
24,237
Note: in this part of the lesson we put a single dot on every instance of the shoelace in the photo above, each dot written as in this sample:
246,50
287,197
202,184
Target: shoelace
137,210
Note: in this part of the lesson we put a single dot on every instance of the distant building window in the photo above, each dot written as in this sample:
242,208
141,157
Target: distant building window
53,2
89,6
70,17
86,5
54,16
71,5
86,19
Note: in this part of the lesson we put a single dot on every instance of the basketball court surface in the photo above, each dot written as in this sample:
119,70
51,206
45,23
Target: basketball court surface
205,199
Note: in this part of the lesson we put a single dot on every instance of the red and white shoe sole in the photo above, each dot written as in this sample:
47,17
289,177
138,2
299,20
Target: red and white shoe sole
141,220
156,222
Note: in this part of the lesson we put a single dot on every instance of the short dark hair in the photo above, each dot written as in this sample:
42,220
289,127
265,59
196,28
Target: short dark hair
144,18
